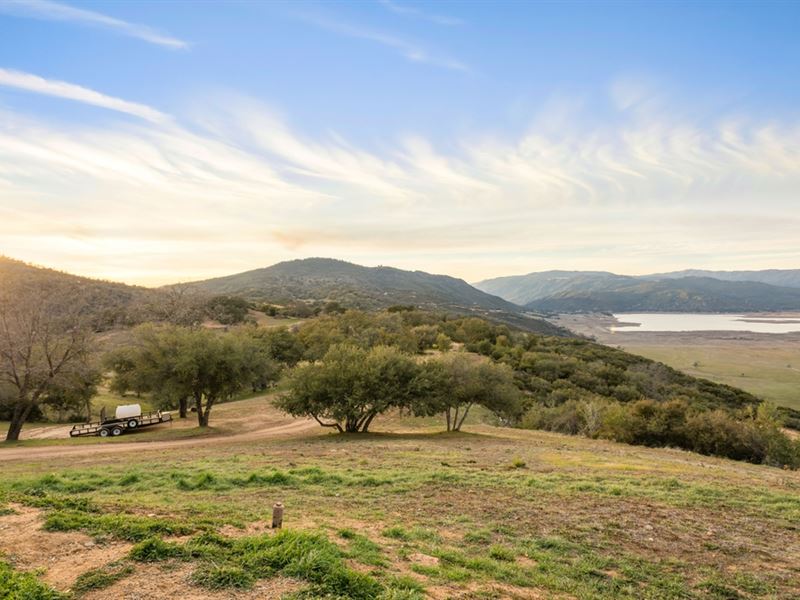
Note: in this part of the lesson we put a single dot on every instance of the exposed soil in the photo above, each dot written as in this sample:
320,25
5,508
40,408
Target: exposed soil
62,556
168,581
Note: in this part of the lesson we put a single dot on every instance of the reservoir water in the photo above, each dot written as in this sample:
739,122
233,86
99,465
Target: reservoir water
706,322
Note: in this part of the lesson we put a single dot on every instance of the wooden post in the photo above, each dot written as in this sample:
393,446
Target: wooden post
277,515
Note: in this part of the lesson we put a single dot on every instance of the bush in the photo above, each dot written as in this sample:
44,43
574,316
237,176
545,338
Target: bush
737,434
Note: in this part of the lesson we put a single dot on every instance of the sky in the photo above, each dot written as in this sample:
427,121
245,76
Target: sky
156,142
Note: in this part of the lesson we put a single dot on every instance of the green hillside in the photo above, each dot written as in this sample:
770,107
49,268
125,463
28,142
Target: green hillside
355,286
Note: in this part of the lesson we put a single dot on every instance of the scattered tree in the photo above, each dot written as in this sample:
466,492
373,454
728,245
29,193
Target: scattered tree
44,343
180,362
350,386
228,310
454,382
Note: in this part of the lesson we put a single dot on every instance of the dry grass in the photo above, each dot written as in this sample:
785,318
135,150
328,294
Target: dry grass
489,513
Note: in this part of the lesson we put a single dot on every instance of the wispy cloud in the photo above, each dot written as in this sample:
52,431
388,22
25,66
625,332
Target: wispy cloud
411,11
70,91
245,189
410,50
55,11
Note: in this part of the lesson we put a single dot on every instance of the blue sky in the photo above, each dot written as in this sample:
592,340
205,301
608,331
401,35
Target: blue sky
160,141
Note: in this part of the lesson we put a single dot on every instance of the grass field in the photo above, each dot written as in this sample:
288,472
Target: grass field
772,373
406,513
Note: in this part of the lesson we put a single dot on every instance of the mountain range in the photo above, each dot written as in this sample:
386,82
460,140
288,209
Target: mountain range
313,280
682,291
518,301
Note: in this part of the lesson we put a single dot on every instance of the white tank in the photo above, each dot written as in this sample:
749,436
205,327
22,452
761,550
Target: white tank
126,411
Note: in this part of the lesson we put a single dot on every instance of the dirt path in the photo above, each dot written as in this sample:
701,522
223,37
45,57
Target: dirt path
254,418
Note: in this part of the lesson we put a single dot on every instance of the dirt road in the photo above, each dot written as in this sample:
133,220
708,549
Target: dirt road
253,419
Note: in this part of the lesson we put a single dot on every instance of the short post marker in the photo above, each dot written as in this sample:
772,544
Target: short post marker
277,515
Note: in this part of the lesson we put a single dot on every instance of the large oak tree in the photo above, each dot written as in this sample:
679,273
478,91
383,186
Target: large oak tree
45,343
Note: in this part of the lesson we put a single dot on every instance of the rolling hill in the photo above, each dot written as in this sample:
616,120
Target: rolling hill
351,285
779,277
108,303
588,291
310,280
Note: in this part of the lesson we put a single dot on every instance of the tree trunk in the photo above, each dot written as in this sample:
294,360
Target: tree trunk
366,425
21,413
183,407
447,416
202,417
463,418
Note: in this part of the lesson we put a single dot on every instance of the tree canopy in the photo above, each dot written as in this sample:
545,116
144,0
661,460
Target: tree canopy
350,386
181,362
454,382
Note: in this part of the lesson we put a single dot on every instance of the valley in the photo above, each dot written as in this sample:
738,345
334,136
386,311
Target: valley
767,365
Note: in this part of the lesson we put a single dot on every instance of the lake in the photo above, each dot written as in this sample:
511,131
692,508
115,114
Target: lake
706,322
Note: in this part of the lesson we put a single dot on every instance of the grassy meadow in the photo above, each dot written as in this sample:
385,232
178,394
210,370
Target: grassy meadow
769,372
408,512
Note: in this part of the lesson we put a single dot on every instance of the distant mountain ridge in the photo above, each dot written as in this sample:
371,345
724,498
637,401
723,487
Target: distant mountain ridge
779,277
587,291
356,286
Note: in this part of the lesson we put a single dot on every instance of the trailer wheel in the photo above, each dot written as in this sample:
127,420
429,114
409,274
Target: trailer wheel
133,424
104,433
116,430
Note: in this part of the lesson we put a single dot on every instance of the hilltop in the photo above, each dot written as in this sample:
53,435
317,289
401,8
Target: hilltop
327,279
586,291
369,288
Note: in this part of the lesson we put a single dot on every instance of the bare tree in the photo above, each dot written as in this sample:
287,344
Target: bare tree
44,341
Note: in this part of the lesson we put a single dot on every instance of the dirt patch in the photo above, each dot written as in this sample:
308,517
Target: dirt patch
171,582
62,556
496,590
424,559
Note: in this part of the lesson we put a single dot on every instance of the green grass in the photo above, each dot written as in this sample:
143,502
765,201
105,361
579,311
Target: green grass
388,516
772,373
101,578
16,585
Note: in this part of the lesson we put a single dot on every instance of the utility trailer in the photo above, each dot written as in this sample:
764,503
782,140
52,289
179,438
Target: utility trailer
126,418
